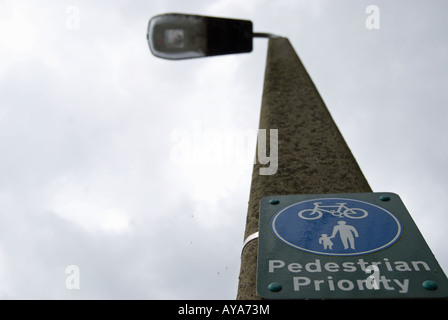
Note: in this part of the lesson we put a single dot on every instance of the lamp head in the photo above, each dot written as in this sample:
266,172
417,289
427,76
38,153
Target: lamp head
181,36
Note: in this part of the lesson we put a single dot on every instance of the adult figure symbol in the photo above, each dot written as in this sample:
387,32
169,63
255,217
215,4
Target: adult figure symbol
347,234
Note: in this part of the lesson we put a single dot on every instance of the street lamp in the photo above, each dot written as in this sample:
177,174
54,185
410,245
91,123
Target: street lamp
177,36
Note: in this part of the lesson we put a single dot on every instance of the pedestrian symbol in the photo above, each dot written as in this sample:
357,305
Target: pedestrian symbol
326,242
335,226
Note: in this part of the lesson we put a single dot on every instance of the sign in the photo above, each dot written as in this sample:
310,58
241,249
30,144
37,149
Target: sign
344,246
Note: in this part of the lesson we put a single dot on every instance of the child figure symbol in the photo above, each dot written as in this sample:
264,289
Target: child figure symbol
326,242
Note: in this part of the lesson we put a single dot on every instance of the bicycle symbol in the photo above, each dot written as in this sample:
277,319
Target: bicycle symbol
340,210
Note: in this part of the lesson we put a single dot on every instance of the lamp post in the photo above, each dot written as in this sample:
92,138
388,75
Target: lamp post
312,154
313,157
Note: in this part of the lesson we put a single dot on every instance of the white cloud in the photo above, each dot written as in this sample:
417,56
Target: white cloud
17,31
92,212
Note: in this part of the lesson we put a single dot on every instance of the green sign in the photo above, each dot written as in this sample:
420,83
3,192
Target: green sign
344,246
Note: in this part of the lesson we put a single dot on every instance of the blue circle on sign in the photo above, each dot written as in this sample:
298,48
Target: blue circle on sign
336,227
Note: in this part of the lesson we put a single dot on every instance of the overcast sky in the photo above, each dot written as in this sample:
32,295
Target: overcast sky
96,136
